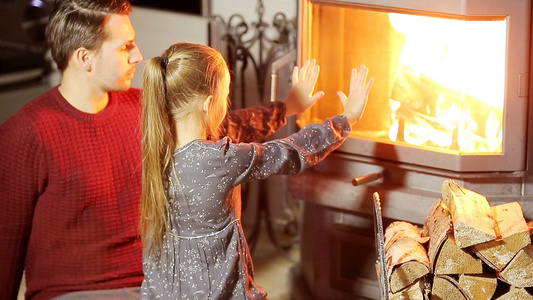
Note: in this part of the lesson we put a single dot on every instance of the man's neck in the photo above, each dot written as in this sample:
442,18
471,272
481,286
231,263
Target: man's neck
81,96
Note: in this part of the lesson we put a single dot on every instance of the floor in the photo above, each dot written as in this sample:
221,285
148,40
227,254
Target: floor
271,266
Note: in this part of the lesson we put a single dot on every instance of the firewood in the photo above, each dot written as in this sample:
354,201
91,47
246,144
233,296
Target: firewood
530,226
478,287
444,255
454,260
406,273
514,233
416,291
437,225
472,216
407,259
516,294
402,229
519,271
445,287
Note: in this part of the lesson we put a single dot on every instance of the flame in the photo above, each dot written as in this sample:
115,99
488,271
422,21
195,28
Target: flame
451,88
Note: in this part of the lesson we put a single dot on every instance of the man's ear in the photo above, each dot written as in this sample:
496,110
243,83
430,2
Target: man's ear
207,104
82,57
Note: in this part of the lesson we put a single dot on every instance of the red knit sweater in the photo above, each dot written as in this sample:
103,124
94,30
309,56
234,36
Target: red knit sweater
70,184
70,189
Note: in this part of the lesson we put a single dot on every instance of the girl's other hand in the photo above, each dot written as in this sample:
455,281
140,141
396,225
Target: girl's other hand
301,96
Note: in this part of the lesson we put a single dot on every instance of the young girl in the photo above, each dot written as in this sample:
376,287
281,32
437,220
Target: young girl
194,243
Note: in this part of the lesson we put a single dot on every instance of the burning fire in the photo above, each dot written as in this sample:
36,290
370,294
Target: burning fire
450,90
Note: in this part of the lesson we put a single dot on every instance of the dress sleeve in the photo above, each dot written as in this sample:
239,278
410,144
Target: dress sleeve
255,123
19,187
290,155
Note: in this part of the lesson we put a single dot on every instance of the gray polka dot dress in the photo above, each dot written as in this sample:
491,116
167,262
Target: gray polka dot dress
205,254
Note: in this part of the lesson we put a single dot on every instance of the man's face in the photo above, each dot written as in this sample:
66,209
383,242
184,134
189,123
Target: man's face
115,63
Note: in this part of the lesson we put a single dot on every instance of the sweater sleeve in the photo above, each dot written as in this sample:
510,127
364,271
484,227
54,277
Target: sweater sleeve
255,123
21,170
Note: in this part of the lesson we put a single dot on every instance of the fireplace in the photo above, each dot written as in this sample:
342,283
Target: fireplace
449,101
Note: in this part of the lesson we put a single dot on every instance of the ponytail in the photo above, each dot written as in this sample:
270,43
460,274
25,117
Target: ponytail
175,86
158,143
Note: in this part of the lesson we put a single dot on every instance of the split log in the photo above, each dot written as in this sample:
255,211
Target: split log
444,255
530,226
515,294
407,259
416,291
454,260
437,225
472,216
406,273
478,287
519,271
445,287
514,233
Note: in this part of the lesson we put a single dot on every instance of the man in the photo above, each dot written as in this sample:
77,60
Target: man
70,173
70,179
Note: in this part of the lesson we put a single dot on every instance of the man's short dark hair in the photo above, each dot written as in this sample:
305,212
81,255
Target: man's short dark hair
80,23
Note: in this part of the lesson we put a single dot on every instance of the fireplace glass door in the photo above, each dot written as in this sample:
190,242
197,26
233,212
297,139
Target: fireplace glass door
440,82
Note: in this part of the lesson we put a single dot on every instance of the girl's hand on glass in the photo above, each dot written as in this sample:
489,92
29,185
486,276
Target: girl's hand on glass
355,103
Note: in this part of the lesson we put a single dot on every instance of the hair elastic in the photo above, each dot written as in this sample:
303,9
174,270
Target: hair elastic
165,60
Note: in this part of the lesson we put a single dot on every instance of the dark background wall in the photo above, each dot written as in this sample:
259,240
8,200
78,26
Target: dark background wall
24,21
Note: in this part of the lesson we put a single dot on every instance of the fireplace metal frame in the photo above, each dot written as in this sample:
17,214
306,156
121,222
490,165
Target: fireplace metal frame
413,171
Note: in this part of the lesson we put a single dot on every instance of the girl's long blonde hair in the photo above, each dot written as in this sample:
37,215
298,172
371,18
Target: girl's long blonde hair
174,86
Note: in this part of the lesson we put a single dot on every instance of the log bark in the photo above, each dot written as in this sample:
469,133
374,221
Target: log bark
519,271
445,287
478,287
515,236
472,216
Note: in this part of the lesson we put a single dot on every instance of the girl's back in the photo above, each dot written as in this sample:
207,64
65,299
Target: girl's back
205,251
